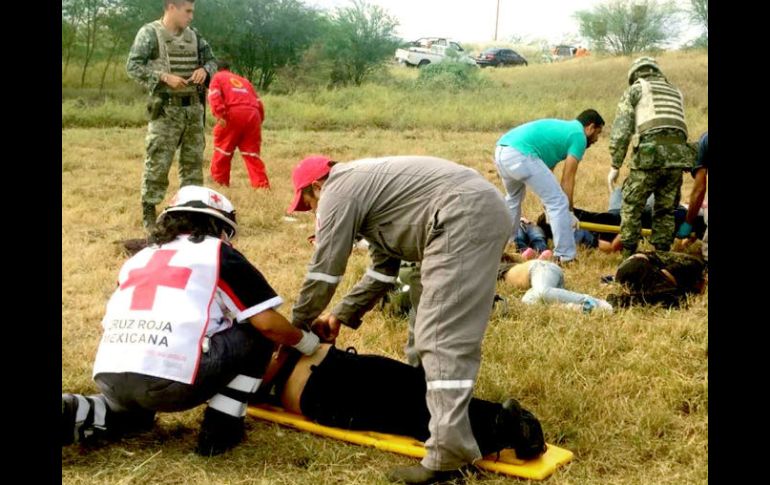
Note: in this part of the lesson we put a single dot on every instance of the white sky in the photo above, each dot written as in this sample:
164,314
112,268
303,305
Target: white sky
474,21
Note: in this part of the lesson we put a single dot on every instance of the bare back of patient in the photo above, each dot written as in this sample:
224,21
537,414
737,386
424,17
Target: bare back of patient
295,384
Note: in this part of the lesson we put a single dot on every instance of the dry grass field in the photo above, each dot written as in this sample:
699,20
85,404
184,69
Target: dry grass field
627,393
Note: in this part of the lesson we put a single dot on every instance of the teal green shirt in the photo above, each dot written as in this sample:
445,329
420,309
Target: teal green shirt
550,140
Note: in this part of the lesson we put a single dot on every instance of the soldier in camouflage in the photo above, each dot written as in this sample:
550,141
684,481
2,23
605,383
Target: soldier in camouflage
174,63
650,116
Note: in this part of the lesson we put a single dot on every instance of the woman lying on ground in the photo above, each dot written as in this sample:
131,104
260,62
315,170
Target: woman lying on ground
650,278
544,282
355,391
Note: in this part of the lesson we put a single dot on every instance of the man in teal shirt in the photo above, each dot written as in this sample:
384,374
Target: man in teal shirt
526,156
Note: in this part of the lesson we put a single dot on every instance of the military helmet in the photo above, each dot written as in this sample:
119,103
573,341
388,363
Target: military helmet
194,198
639,64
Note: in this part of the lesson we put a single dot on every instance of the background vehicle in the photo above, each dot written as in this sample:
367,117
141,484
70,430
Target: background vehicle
562,52
500,56
426,50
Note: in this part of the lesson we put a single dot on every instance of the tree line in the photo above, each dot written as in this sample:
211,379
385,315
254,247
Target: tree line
259,36
348,43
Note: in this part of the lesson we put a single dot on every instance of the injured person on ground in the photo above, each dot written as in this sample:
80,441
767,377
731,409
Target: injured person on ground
369,392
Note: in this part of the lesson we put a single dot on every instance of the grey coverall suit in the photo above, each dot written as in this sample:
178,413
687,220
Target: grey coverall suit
456,223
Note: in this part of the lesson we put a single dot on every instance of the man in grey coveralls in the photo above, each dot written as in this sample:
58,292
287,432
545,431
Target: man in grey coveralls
411,208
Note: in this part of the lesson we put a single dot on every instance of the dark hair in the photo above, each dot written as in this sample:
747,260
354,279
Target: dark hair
645,284
197,224
166,3
590,116
541,222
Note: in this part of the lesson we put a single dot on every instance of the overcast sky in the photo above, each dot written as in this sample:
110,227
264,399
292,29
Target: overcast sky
474,20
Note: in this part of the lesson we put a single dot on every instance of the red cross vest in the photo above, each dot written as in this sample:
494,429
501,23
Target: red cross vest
157,318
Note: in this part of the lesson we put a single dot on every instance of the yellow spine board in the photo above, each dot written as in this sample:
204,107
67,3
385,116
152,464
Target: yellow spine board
592,226
508,464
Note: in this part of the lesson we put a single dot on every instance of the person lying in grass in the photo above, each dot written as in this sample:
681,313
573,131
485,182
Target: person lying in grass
344,389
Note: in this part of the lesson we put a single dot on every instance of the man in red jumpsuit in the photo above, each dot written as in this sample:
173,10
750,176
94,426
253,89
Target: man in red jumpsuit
239,113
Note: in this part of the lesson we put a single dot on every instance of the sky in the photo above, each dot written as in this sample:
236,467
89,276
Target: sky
474,20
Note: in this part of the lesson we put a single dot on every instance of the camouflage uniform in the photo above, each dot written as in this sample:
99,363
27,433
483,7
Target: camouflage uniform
651,112
176,116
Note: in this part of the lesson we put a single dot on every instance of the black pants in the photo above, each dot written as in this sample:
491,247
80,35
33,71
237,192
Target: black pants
134,397
374,393
613,219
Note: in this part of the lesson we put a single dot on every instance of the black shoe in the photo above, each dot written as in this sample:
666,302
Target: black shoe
520,430
69,411
419,475
219,433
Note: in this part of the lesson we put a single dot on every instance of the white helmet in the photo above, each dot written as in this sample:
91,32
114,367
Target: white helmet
194,198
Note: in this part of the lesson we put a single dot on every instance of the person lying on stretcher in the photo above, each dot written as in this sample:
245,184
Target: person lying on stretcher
354,391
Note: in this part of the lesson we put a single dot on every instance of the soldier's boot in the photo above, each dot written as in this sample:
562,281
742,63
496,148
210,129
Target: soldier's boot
148,216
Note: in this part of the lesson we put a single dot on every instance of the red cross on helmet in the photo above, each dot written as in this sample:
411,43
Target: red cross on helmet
194,198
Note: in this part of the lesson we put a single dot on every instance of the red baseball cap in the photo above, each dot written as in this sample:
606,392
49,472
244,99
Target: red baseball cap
305,173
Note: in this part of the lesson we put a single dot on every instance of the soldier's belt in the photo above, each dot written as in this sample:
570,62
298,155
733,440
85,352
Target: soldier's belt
181,100
663,139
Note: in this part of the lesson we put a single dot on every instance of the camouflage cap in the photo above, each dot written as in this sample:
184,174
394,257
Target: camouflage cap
640,63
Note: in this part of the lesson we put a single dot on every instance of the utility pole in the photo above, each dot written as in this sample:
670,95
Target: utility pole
497,18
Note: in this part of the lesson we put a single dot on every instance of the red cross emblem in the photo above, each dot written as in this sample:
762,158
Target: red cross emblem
157,273
217,199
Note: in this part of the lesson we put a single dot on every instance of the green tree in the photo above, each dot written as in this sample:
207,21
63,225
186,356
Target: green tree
699,15
93,13
71,18
629,26
360,39
260,36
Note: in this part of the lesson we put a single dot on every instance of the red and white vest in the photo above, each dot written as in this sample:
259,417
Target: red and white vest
157,318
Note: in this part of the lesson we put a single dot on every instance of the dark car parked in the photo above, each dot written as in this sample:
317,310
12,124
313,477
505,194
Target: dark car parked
498,56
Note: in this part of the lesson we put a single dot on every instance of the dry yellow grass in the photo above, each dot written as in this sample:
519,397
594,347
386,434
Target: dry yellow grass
627,393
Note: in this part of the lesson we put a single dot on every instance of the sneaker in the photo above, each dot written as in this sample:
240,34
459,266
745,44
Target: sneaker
219,432
528,254
419,475
603,305
597,304
589,305
546,255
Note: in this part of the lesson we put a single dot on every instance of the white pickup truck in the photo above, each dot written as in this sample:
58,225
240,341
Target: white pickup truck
428,50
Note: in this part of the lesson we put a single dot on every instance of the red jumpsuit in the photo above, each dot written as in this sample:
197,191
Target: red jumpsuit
233,99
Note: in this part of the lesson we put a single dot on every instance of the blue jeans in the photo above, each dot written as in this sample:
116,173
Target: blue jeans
547,281
616,201
519,171
530,235
586,238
